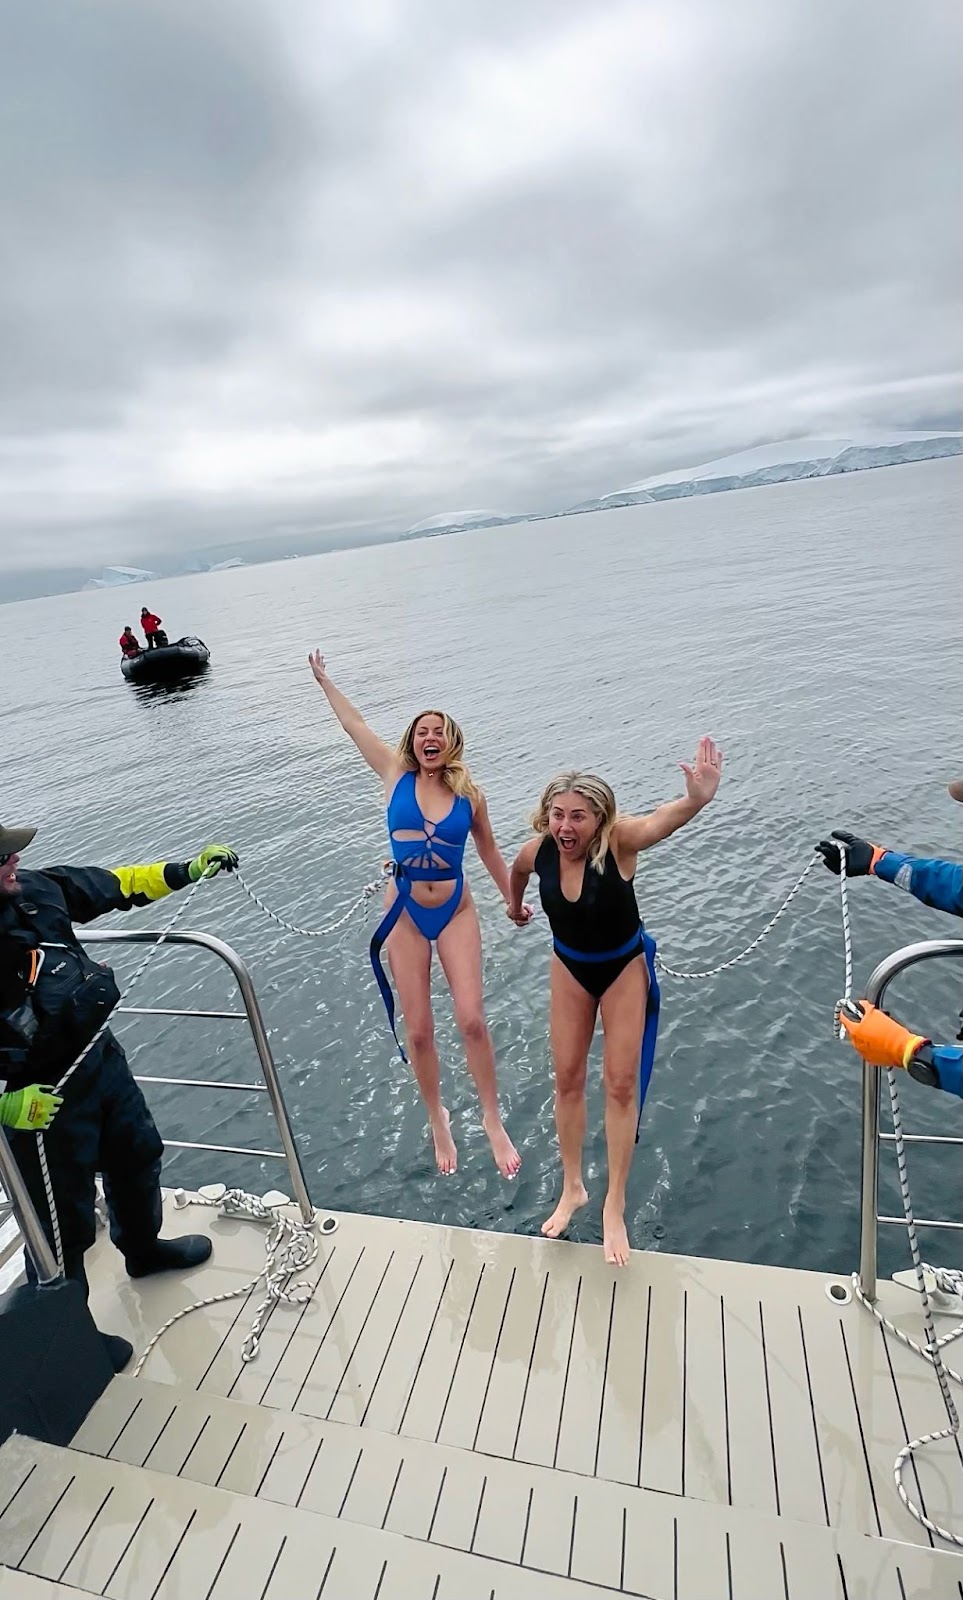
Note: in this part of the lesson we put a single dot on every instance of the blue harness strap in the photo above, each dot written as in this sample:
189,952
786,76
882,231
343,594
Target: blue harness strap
650,1032
375,948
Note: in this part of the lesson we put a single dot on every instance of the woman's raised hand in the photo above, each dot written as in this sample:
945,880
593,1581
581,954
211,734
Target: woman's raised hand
316,663
702,778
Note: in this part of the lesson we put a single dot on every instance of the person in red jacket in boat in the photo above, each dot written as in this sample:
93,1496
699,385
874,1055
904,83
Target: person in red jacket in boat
129,642
152,629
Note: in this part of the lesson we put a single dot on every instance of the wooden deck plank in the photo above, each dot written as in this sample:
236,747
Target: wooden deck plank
415,1497
538,1422
849,1487
879,1411
551,1518
286,1377
477,1357
578,1434
332,1356
424,1409
30,1496
362,1371
701,1553
621,1426
500,1531
755,1561
663,1402
751,1461
369,1494
705,1463
795,1445
595,1541
143,1429
407,1344
460,1501
498,1425
648,1548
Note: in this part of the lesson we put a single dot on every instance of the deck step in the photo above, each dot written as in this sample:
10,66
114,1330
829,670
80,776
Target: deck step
716,1381
618,1536
130,1533
16,1585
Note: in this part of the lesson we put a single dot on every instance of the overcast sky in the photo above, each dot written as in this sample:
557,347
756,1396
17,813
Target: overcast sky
349,264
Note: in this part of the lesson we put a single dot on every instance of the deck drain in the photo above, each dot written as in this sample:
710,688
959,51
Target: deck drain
840,1293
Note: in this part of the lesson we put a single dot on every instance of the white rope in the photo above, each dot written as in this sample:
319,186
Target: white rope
139,971
361,902
711,972
290,1247
945,1276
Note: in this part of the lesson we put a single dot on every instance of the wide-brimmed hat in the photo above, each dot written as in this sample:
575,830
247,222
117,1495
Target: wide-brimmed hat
13,840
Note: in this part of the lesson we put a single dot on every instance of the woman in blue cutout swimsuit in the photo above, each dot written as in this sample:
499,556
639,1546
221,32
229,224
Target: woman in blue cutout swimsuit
433,805
585,856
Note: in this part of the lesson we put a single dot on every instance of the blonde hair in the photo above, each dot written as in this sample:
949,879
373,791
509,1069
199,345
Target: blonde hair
456,774
599,799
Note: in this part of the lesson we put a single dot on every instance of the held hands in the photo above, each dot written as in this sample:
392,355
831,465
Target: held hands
520,917
703,777
879,1039
860,854
31,1110
210,861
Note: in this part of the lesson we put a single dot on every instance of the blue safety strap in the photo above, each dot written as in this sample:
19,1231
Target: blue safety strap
377,943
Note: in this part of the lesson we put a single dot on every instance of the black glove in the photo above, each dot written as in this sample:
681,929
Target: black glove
859,853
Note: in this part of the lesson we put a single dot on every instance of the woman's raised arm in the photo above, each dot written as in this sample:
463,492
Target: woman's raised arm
701,782
379,756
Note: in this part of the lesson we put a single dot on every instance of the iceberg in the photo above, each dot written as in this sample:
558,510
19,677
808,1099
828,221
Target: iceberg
784,461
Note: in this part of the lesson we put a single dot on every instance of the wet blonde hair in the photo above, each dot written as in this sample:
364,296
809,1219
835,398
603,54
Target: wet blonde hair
599,799
456,774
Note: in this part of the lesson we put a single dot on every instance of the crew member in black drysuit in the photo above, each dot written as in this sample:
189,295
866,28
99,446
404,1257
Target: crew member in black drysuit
53,998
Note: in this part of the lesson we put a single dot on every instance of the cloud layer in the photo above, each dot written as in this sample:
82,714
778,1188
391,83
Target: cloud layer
339,267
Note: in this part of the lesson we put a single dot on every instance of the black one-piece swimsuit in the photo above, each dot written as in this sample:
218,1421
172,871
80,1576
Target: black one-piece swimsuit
604,917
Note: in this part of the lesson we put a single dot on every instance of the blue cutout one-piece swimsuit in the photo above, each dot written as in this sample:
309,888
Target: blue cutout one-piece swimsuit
434,855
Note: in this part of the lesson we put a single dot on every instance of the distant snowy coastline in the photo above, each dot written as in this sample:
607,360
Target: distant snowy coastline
783,462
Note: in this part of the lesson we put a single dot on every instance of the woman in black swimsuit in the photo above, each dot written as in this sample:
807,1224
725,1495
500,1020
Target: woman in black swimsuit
585,856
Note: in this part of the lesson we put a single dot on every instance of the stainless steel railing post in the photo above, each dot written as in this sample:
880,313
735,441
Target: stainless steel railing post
869,1183
34,1238
207,941
875,990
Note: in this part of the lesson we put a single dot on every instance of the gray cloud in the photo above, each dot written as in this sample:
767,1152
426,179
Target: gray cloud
340,267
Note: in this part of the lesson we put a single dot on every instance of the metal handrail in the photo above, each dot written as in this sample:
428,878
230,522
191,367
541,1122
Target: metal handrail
34,1238
252,1015
870,1216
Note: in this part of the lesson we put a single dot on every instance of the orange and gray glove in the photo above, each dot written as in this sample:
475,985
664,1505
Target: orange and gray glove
879,1039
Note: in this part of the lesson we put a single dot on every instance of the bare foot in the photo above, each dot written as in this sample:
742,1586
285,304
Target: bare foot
615,1240
570,1202
445,1153
507,1158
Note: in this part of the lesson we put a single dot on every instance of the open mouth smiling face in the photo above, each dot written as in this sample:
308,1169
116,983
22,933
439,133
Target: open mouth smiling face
572,824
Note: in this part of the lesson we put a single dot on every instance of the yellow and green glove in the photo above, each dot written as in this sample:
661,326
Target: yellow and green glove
31,1109
210,861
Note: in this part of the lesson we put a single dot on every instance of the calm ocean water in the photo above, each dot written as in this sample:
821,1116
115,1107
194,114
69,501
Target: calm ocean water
812,628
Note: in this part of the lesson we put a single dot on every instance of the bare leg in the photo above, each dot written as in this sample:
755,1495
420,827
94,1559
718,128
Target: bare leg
459,950
572,1025
623,1018
409,955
